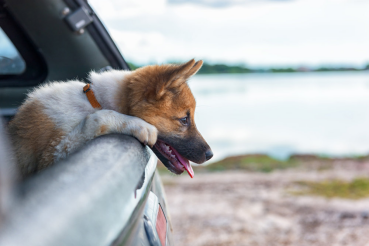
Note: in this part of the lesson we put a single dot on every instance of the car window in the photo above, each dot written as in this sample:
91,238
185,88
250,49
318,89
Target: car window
11,63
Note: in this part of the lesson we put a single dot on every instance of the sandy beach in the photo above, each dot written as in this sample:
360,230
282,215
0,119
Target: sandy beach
253,208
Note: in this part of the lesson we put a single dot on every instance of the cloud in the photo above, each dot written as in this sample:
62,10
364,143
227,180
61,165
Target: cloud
308,32
218,3
117,9
148,47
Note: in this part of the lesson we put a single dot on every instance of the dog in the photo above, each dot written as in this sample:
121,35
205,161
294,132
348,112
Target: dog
153,104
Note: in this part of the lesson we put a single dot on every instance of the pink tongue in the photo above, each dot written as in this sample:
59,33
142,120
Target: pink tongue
188,168
185,163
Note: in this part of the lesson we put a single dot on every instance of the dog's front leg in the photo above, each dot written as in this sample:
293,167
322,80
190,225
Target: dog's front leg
104,122
108,121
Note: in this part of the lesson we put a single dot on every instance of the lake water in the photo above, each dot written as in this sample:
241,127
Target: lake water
282,114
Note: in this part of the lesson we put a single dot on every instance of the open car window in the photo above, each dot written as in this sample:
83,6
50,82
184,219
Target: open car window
11,63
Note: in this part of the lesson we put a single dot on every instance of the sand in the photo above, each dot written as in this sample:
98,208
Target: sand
244,208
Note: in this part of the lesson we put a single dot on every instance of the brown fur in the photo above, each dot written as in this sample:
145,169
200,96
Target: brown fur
160,95
34,137
157,94
103,129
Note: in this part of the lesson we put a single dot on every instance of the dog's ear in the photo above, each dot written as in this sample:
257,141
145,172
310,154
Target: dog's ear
185,68
195,68
188,69
174,76
179,72
183,72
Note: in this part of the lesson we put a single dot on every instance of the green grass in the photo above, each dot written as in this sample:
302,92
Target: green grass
254,163
356,189
266,164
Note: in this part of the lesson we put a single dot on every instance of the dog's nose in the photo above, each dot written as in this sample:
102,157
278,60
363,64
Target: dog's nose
208,154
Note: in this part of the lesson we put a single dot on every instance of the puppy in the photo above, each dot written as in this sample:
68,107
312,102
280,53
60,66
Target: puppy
153,103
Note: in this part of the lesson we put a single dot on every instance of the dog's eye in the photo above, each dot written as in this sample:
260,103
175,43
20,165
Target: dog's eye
184,121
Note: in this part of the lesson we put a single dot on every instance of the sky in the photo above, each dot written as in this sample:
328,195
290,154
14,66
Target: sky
256,33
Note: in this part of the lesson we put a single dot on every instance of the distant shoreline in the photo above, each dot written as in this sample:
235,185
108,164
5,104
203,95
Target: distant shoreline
266,163
239,69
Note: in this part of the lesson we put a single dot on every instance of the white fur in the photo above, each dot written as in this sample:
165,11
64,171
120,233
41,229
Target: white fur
105,85
64,103
89,129
67,105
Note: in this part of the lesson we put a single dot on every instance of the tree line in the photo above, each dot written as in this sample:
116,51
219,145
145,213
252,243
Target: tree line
208,68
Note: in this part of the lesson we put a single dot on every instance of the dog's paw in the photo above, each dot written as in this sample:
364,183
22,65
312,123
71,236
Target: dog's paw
144,132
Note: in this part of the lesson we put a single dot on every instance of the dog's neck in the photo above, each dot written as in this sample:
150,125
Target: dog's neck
109,89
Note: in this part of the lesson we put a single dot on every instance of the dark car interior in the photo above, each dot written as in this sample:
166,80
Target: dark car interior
50,49
59,40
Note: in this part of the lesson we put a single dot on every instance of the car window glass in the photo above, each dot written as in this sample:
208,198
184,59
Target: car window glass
11,63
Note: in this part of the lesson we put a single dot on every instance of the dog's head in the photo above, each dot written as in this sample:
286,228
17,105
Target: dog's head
160,95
